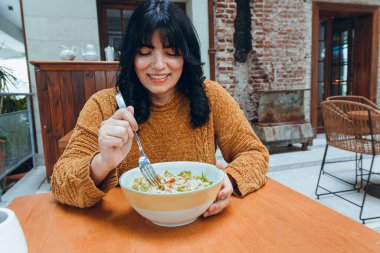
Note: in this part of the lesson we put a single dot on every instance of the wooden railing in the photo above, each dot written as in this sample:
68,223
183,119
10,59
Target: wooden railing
62,90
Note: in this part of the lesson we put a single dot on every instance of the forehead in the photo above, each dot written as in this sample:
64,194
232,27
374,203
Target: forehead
159,38
156,39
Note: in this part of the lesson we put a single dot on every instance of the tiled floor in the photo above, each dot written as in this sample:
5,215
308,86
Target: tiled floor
292,167
33,183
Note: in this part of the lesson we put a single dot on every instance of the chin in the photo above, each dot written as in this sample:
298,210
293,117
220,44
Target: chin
159,90
158,93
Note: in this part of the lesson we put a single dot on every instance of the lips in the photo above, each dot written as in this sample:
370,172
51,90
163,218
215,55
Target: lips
158,78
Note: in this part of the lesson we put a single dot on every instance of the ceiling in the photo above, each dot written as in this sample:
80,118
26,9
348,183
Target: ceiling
13,16
11,34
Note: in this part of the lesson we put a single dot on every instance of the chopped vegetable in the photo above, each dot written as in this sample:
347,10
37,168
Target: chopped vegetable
183,182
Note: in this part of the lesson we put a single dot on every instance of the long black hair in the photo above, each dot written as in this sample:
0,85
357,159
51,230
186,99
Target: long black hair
176,31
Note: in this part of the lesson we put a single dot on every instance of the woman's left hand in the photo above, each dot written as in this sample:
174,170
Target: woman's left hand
224,196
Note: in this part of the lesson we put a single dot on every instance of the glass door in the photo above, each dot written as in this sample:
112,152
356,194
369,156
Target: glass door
336,61
342,60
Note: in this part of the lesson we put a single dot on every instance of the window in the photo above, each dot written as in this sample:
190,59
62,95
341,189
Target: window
113,18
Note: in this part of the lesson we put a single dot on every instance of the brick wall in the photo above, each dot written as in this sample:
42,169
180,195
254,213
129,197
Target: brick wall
225,11
281,49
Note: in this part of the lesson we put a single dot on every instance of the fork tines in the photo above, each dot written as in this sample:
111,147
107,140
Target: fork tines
149,173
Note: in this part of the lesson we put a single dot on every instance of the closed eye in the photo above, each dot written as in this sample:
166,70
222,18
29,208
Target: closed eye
172,52
144,51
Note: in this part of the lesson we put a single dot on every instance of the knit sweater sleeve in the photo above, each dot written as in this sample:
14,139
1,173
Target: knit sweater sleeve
71,181
246,156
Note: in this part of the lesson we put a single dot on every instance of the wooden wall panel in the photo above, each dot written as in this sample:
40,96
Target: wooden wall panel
111,78
67,99
56,113
62,90
89,84
45,118
100,78
78,91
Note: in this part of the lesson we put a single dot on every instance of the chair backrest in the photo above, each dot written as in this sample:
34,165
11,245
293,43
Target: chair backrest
357,99
351,126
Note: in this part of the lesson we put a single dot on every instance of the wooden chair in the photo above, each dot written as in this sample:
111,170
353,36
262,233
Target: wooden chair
352,98
354,127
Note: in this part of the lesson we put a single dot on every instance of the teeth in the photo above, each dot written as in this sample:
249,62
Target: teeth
158,77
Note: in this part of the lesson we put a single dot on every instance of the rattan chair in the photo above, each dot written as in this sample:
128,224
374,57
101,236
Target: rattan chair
357,99
353,127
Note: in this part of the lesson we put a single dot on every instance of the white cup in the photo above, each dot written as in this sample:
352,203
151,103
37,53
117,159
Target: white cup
109,53
12,239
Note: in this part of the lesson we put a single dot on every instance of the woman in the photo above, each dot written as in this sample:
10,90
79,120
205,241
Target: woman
178,114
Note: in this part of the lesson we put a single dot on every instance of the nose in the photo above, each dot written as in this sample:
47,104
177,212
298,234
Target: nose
159,62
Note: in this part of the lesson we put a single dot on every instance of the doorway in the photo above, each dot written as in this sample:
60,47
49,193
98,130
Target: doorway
345,54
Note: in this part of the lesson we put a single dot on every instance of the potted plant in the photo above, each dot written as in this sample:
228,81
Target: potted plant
6,80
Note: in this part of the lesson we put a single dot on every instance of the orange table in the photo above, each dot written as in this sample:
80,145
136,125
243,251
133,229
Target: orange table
274,219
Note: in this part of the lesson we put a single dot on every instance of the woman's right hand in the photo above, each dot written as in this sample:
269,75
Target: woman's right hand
115,142
115,137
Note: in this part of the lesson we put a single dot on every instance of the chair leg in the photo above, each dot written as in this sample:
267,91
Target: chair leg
320,172
361,171
336,193
365,195
358,171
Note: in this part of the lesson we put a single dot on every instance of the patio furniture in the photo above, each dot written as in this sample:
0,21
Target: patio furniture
63,87
352,127
273,219
352,98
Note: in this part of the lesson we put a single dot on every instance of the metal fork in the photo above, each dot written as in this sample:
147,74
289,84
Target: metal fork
145,166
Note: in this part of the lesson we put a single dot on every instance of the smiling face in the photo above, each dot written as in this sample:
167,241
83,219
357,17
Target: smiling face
158,69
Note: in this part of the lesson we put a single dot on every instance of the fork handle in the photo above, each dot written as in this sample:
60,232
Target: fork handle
138,142
121,104
120,101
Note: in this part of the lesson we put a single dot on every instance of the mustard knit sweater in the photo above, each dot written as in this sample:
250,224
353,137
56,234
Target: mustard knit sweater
166,136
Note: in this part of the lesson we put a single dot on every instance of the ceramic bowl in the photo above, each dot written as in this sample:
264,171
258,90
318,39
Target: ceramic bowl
173,209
